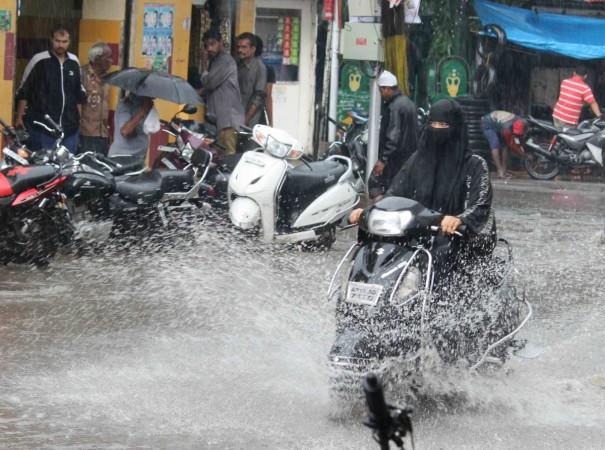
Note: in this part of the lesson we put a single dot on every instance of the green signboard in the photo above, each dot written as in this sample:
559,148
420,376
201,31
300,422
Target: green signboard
353,90
453,77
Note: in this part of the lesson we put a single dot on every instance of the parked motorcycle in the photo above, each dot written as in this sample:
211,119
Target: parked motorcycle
134,201
547,150
33,217
14,151
190,136
353,142
291,203
387,312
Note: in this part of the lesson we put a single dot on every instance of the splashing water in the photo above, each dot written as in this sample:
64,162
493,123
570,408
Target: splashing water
220,342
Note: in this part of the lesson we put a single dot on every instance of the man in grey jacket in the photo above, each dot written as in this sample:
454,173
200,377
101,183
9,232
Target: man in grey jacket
221,90
252,76
398,133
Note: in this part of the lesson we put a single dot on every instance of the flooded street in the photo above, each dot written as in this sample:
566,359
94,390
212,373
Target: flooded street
221,343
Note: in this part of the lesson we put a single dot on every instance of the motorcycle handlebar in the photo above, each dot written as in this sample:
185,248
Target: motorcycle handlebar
53,123
338,124
461,231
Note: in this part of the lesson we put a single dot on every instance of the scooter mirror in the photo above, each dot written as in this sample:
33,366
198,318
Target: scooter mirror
189,109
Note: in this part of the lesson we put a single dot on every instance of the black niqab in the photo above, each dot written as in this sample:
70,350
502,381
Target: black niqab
435,176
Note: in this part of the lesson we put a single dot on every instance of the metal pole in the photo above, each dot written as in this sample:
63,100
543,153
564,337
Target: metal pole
373,124
334,71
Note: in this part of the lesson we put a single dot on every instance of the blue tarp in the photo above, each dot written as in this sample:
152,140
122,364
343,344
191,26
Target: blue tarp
574,36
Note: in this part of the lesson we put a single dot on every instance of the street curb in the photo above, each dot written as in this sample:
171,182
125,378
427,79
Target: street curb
537,186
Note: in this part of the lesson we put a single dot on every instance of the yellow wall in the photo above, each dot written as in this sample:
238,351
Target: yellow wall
245,15
180,38
6,86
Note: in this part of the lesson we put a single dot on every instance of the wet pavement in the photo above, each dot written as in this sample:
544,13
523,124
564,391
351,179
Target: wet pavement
219,342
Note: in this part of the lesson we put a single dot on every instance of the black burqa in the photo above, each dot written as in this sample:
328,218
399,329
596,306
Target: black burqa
435,174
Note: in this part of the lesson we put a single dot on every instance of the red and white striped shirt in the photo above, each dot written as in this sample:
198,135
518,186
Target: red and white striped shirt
573,94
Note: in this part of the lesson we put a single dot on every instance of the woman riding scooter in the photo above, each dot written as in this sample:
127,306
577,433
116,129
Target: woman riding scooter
445,176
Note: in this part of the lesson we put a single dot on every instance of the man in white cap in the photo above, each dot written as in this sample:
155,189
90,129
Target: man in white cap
398,133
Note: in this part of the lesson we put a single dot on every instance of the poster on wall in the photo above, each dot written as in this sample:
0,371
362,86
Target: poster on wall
158,20
353,90
5,20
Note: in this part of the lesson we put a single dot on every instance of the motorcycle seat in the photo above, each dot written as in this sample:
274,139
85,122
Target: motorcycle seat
175,180
142,188
305,183
543,124
21,178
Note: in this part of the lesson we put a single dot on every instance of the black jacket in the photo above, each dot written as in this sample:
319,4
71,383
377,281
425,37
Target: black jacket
50,87
398,130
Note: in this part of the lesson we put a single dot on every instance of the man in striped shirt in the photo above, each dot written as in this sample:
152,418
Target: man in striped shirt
573,93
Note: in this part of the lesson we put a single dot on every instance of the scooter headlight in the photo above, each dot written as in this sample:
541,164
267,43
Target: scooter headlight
277,142
410,286
276,148
388,223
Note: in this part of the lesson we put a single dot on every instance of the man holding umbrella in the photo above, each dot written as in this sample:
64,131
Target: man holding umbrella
129,137
136,118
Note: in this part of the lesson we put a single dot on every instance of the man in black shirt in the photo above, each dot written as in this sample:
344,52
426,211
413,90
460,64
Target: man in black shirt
51,85
398,130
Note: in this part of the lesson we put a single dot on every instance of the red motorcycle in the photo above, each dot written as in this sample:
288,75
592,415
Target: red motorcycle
33,217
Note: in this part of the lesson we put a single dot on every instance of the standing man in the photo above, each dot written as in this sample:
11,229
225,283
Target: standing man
51,85
221,89
94,126
130,138
573,93
398,133
252,78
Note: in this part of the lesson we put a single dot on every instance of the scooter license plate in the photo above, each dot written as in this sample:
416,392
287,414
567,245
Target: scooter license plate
363,293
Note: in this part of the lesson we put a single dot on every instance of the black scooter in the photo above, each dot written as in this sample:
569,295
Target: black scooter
387,308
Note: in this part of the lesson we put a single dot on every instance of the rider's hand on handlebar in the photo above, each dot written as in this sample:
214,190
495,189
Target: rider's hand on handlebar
449,224
355,216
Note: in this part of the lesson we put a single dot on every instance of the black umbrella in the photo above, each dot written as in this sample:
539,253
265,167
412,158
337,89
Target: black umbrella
147,83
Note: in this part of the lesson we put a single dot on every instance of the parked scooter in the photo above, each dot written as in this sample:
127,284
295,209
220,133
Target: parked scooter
291,203
548,150
386,310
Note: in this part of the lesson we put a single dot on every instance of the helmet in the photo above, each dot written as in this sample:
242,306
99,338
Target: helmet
518,127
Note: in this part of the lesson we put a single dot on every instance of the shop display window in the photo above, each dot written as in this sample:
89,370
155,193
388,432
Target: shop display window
280,31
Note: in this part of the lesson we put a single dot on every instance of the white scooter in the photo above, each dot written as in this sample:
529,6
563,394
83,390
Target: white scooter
291,202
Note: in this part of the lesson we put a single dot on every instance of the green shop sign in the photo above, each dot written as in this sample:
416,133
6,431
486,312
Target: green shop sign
453,77
353,89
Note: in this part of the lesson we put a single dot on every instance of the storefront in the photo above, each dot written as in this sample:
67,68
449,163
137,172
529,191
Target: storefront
287,28
120,23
